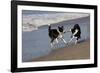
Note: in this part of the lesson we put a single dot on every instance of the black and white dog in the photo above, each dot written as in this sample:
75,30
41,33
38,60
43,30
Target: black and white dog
56,34
76,33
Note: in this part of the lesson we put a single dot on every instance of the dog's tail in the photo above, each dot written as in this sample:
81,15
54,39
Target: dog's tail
49,27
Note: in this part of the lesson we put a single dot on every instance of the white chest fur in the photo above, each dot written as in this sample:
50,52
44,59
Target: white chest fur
60,36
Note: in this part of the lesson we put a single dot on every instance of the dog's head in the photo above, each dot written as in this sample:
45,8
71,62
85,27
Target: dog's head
61,28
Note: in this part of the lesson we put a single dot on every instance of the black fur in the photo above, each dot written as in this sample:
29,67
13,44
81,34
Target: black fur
53,33
61,29
78,34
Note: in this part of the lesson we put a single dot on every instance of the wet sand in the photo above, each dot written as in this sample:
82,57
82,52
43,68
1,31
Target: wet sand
72,52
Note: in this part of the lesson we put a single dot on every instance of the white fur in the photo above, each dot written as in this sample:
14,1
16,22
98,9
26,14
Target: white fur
75,32
73,38
64,40
56,40
61,37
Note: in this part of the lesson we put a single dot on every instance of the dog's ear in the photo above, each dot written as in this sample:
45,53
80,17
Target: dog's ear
58,26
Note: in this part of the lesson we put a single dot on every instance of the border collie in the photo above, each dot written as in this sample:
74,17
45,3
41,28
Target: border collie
56,34
76,33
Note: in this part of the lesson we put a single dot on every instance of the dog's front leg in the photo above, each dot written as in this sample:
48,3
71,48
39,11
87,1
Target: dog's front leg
71,39
64,40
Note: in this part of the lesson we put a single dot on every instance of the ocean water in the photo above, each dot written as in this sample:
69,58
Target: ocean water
31,20
36,43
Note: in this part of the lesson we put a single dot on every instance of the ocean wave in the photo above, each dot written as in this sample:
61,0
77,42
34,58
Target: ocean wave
33,21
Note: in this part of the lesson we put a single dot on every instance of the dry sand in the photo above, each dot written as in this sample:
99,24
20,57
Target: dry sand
72,52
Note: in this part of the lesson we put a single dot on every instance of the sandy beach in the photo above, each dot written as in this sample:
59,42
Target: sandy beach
74,52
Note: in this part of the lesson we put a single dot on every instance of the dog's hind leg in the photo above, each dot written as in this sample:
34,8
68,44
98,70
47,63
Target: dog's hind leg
56,40
51,45
76,40
51,42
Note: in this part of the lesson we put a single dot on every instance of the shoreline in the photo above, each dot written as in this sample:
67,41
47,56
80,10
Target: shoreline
72,52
